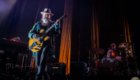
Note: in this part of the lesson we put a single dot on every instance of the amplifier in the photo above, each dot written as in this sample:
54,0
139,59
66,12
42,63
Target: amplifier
56,70
78,70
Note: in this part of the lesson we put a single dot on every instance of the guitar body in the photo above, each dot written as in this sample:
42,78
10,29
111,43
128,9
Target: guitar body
38,45
35,44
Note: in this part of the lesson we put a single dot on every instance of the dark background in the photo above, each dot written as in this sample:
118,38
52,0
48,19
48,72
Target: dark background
110,16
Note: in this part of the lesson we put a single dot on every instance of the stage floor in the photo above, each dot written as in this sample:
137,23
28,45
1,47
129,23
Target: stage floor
17,74
31,76
111,77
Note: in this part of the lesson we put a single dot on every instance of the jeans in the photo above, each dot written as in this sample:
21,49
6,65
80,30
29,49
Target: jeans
41,59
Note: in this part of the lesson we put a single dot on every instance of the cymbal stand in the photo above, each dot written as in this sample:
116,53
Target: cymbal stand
95,60
89,73
134,55
117,72
127,63
89,59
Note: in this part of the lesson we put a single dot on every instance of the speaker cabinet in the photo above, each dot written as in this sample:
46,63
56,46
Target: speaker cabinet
78,70
56,71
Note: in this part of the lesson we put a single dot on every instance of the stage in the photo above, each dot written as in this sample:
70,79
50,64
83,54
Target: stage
96,40
58,77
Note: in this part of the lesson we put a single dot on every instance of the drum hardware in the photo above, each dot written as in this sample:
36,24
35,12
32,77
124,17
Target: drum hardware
89,69
134,55
96,62
116,55
117,68
99,51
89,61
106,66
96,51
128,71
125,46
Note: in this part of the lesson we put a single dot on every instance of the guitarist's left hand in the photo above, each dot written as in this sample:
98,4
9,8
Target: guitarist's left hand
57,22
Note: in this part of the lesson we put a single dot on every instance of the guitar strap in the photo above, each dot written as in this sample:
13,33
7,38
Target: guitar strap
39,26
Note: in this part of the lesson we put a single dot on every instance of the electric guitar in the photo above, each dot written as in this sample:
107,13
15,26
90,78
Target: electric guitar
36,44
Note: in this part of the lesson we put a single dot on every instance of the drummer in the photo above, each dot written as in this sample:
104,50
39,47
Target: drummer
115,55
112,47
111,54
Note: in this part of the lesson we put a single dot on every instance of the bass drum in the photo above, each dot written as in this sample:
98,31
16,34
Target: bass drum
106,66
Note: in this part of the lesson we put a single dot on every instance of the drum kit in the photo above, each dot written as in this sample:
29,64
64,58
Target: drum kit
116,64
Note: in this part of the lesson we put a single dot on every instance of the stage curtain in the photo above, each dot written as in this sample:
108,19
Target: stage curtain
11,17
127,37
65,46
94,31
41,5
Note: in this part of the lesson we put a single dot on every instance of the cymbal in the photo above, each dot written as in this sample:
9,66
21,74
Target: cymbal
124,44
98,50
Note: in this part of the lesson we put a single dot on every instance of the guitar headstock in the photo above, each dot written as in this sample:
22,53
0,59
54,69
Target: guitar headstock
64,16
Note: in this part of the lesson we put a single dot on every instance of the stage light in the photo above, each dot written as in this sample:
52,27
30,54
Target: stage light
5,7
135,78
2,5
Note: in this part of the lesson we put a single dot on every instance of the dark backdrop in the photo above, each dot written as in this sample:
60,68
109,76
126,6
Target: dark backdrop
23,16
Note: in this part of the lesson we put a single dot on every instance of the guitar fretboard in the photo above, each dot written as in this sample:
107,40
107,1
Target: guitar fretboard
50,28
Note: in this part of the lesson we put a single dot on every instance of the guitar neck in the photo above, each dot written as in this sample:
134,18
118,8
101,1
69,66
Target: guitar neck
50,28
64,16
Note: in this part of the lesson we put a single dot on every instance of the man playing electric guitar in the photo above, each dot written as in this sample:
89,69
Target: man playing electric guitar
43,45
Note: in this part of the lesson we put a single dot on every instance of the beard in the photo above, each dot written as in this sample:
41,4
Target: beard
45,20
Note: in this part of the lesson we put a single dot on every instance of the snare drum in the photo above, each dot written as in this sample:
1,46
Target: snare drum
106,66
